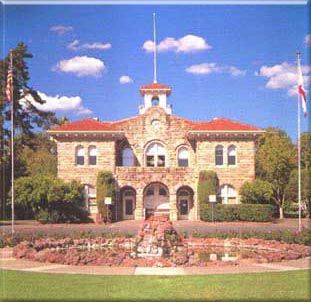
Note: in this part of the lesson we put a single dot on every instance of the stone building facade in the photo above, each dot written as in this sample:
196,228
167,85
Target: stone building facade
156,157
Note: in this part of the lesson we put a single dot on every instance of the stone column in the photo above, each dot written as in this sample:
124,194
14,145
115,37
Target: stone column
173,207
139,209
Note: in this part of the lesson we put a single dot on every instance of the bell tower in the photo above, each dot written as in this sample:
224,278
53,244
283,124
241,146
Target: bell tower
155,94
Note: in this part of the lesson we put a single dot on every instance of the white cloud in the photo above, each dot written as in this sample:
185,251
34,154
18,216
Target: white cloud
76,45
308,40
208,68
61,29
284,76
81,66
186,44
57,103
125,79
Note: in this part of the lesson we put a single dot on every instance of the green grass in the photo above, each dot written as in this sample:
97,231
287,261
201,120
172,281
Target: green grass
284,286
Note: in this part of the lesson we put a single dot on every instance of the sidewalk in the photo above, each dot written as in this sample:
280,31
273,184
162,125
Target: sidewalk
7,262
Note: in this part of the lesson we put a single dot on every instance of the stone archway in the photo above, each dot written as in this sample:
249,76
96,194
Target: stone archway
156,199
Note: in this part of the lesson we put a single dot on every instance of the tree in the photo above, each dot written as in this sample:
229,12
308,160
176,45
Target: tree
292,188
27,117
258,192
274,162
207,185
305,147
105,187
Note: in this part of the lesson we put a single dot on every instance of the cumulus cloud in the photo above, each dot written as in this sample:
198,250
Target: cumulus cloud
57,103
61,29
208,68
81,66
186,44
76,45
307,40
284,76
125,79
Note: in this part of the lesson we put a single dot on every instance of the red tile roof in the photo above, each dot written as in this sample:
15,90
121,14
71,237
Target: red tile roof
222,124
88,124
155,86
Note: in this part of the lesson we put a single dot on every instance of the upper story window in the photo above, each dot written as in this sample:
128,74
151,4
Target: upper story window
219,155
80,156
92,156
183,157
232,155
155,101
155,155
127,157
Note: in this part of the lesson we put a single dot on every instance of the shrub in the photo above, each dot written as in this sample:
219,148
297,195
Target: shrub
105,187
258,192
207,185
238,212
50,200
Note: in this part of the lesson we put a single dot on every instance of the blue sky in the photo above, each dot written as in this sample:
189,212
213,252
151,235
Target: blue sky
236,62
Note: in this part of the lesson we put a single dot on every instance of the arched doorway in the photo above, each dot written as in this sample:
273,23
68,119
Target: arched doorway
156,199
128,203
184,202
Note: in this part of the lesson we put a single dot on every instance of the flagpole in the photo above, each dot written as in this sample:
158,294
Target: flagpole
12,144
299,152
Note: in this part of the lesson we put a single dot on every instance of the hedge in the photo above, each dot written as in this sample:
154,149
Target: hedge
238,212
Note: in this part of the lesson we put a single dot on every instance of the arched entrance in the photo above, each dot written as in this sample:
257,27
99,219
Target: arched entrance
184,202
156,199
128,203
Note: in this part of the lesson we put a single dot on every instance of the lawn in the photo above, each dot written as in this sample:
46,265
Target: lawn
284,286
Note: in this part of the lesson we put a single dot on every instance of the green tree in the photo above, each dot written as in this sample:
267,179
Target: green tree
305,145
105,187
274,162
257,192
207,185
292,188
27,117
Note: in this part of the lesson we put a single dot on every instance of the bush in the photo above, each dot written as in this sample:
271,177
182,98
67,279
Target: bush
207,185
258,192
50,200
105,187
238,212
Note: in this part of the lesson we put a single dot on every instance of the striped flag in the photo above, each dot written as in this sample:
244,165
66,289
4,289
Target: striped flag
301,90
9,84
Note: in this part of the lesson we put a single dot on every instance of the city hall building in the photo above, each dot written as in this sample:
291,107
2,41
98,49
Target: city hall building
156,157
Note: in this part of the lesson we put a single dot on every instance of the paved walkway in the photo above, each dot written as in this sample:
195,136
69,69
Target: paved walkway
9,263
133,226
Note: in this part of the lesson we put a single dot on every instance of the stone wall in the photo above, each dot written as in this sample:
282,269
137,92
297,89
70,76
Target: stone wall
172,132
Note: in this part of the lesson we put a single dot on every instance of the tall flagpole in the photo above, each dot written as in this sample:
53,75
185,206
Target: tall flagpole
12,143
154,50
299,149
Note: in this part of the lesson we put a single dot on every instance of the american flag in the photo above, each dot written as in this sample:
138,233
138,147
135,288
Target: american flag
9,84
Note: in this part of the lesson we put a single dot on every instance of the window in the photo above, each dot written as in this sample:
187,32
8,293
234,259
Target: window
155,155
92,156
155,101
183,157
219,155
162,191
232,156
228,194
80,156
127,157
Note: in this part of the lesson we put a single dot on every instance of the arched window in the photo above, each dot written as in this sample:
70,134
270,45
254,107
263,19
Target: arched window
183,157
219,155
80,156
155,101
127,157
232,155
228,194
155,155
92,156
